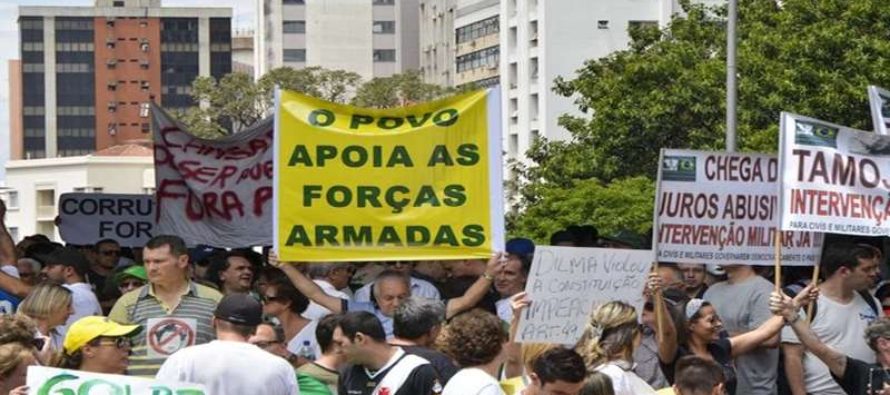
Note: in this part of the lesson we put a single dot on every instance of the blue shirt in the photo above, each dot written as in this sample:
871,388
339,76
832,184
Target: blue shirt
8,303
349,305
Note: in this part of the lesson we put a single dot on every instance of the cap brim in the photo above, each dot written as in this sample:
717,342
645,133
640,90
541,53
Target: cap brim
121,330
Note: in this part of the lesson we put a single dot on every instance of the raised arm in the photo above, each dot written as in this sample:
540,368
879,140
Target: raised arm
513,350
477,291
666,332
781,303
306,286
748,341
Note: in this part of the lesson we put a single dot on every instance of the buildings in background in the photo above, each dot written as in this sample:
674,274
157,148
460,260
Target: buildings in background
242,51
374,38
437,41
477,43
541,40
87,74
33,186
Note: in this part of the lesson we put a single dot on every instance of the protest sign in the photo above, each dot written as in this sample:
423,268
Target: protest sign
566,283
410,183
214,192
85,218
833,178
42,380
722,208
879,101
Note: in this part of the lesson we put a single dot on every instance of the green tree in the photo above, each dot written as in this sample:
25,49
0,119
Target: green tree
236,101
667,90
398,90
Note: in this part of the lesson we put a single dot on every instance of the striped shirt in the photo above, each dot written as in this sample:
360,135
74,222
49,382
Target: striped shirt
138,306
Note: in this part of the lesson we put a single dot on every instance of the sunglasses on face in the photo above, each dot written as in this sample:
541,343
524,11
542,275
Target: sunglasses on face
119,342
132,284
270,298
110,252
266,344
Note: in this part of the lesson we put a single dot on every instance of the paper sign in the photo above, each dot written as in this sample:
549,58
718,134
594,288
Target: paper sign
566,283
722,208
86,218
42,380
834,179
165,336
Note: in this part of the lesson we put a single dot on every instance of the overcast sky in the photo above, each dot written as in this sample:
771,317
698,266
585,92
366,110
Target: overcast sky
243,18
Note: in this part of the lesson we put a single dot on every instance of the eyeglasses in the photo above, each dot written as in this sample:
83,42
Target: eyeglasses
270,298
119,342
131,284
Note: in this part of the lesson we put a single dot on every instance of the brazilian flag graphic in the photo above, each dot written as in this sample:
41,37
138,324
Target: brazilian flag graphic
809,133
678,168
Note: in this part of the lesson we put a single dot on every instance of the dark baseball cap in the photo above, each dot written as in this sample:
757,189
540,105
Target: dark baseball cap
520,246
240,309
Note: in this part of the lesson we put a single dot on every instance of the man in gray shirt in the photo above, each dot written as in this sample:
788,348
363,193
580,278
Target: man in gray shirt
742,303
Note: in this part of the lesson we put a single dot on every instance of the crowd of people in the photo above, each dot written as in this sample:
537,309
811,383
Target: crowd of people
243,322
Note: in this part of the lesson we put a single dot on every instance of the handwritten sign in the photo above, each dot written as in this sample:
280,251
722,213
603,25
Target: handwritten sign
214,192
566,283
834,178
43,380
722,208
86,218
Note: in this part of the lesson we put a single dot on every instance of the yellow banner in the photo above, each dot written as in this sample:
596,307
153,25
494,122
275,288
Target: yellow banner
410,183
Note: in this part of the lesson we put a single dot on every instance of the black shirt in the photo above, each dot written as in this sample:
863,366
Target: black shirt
857,377
444,365
423,380
458,286
721,351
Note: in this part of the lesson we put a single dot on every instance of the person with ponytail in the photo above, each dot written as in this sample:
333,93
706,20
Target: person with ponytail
607,346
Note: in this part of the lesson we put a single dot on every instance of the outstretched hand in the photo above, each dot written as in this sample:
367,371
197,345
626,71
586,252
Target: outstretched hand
519,302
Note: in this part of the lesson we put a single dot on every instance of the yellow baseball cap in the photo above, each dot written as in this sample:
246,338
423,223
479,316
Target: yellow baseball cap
88,328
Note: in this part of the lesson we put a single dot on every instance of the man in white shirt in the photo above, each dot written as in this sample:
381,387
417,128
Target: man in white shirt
331,278
230,365
841,314
69,267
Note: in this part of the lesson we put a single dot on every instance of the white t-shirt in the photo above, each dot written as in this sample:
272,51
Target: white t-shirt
472,381
306,334
231,368
842,327
316,311
419,288
625,382
84,302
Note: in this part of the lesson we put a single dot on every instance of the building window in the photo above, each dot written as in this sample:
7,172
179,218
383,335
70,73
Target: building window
294,55
46,198
384,2
485,27
488,57
294,2
384,27
384,55
295,26
12,200
118,3
146,128
602,24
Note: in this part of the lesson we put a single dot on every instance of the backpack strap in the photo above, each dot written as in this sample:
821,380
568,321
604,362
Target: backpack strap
871,301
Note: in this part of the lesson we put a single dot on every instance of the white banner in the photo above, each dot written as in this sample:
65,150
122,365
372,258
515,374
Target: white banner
834,178
722,208
566,283
214,192
879,101
42,380
85,218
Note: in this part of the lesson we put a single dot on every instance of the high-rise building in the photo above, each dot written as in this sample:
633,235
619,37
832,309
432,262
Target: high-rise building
374,38
478,48
541,40
89,73
437,41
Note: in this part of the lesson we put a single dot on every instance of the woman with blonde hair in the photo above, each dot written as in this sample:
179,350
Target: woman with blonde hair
49,305
14,361
607,346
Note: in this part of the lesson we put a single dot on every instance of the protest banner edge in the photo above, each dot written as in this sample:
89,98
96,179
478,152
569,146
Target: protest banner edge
495,169
875,98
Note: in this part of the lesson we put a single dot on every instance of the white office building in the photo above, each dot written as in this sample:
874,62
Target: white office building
33,186
374,38
541,40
